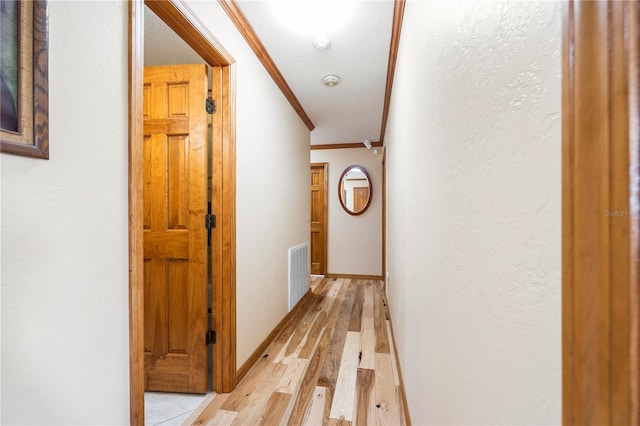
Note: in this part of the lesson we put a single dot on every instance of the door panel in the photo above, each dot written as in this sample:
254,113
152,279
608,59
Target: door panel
174,203
146,180
177,180
149,306
318,219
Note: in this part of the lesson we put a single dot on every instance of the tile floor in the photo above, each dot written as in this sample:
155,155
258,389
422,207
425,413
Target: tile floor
167,409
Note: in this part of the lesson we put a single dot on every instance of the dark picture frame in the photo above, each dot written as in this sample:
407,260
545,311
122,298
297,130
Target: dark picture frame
26,133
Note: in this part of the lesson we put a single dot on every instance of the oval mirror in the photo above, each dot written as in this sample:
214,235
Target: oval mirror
354,190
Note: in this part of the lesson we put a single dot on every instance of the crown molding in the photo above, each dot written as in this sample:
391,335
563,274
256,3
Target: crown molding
241,23
344,145
398,14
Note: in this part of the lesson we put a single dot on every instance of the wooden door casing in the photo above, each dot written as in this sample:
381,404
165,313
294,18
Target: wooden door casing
318,218
601,213
174,208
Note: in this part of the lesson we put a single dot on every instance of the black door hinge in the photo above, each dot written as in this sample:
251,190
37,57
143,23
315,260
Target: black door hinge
210,221
211,105
210,337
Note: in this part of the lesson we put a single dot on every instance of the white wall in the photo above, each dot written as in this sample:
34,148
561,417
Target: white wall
64,235
354,242
272,186
474,251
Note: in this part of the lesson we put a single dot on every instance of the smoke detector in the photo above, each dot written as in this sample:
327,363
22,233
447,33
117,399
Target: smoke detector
330,80
321,43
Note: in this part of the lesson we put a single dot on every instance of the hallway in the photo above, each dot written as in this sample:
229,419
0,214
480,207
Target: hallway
467,226
333,363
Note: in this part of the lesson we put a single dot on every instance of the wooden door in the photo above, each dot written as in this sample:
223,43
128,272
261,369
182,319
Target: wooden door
175,204
360,198
319,219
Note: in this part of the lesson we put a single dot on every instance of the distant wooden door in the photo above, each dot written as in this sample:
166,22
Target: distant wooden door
319,219
360,198
175,204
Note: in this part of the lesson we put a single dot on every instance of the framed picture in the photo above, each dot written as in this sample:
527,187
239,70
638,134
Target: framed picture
24,71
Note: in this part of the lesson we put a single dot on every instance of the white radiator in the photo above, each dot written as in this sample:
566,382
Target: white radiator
298,273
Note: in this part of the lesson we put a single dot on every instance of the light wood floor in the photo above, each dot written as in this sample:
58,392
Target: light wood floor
333,363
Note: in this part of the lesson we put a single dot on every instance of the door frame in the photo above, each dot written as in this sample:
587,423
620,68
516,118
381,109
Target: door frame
223,259
325,238
600,249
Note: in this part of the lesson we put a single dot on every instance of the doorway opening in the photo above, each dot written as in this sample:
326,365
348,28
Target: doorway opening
221,257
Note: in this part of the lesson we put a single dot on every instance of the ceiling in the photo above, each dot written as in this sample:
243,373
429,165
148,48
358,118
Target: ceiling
162,46
359,35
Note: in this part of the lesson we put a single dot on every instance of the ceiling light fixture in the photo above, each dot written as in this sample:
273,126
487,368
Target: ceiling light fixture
330,80
321,43
314,17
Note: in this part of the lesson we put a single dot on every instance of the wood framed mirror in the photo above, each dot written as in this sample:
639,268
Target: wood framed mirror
354,190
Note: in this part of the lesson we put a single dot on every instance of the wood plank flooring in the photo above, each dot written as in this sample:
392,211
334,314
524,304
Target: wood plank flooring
332,364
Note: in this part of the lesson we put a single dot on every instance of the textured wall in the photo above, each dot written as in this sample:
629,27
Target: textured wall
64,235
355,242
272,186
474,187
